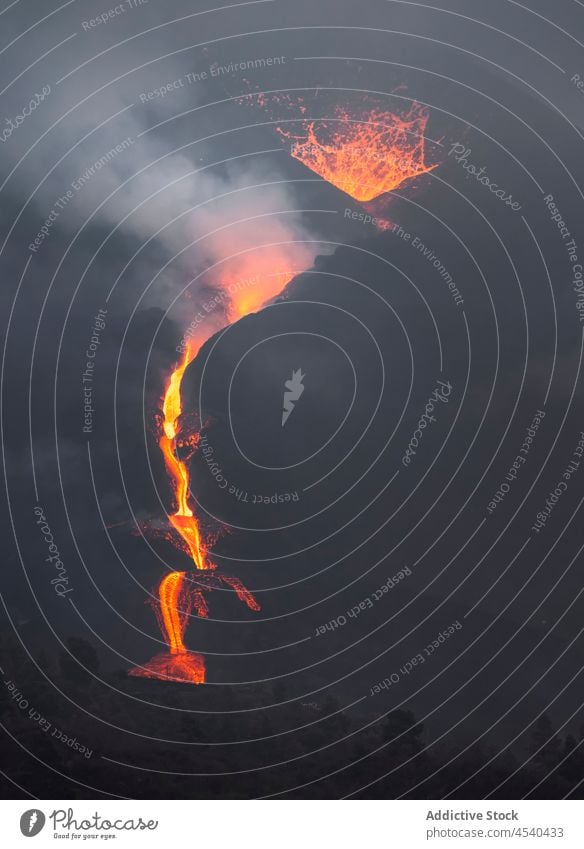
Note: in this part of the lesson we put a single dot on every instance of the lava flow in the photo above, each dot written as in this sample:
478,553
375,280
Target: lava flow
183,519
180,592
365,157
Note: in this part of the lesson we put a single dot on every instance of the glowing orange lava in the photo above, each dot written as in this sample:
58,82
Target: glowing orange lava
173,611
179,593
183,520
366,156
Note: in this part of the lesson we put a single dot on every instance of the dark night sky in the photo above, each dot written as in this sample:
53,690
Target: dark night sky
205,180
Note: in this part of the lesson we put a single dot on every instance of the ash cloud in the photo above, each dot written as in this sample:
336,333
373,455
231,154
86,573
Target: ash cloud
162,194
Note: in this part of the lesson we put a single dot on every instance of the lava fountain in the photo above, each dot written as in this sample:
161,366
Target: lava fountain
364,156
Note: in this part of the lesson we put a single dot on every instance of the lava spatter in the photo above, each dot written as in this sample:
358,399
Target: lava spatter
364,154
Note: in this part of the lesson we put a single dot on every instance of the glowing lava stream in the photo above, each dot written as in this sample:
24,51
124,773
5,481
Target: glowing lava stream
183,520
365,157
179,592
